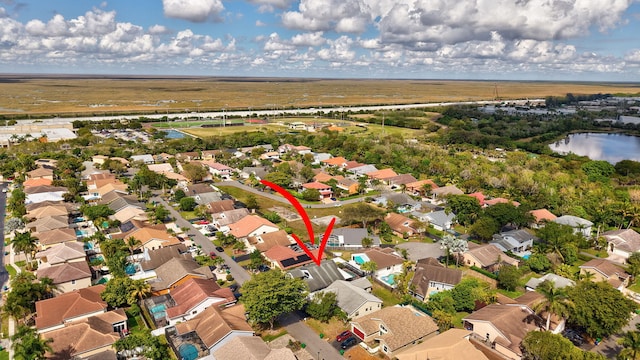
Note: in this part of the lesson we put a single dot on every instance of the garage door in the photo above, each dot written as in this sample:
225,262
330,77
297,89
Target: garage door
358,333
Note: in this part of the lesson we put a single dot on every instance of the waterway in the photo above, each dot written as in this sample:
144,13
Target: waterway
600,146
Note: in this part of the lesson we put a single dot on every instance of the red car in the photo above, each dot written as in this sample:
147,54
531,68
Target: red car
343,336
212,255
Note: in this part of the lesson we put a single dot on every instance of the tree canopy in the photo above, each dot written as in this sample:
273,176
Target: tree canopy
543,345
271,294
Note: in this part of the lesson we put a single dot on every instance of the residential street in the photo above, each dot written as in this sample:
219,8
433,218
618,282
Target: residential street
282,199
609,347
237,271
318,348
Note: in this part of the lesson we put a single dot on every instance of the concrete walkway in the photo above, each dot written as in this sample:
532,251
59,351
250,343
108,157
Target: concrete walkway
318,348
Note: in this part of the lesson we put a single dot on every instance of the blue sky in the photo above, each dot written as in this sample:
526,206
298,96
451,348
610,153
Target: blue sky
462,39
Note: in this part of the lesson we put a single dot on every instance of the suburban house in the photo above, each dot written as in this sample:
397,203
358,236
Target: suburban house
150,260
382,175
40,173
439,194
299,149
221,220
487,256
194,296
62,235
285,257
264,242
622,243
219,206
52,314
336,161
500,200
317,277
420,187
47,223
440,220
129,213
558,281
362,170
176,272
452,344
541,217
68,252
351,238
38,194
251,225
220,170
353,300
605,270
350,186
400,181
402,202
146,159
251,348
388,263
47,210
150,236
67,276
518,241
188,156
259,172
395,328
579,225
504,326
89,338
432,277
325,190
210,330
36,182
401,225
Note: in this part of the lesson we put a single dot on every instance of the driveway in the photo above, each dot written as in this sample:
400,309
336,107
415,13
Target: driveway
319,348
282,199
238,273
419,251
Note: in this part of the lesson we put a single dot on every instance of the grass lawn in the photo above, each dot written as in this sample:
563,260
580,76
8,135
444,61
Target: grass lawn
635,287
188,215
512,294
4,355
5,327
270,335
387,297
597,253
11,270
329,329
457,319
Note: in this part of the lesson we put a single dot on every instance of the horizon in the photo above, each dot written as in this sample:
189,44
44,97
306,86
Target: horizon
504,40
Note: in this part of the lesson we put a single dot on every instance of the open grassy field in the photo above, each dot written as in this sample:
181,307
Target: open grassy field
86,95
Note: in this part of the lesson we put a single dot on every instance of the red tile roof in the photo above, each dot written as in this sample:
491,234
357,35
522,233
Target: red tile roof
193,292
247,224
57,310
316,185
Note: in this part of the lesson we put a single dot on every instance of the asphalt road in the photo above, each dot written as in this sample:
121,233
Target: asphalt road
281,199
4,276
238,273
319,348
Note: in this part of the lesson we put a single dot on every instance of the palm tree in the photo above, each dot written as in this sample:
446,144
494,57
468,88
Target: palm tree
139,289
24,242
239,246
586,276
631,343
133,243
48,287
367,242
369,267
27,344
555,301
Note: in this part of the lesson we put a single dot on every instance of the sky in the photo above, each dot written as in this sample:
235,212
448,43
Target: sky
573,40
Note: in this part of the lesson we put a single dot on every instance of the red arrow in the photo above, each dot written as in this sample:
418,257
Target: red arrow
305,218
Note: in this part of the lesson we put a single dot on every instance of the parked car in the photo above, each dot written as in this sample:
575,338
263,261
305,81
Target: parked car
212,255
343,336
233,287
263,268
219,249
348,343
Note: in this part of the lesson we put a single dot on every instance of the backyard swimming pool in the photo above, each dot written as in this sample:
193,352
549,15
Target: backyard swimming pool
360,259
389,279
188,352
159,311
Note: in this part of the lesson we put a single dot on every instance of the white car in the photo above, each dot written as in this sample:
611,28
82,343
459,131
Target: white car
4,190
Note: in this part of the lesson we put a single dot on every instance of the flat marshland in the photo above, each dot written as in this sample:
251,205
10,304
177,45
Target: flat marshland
108,95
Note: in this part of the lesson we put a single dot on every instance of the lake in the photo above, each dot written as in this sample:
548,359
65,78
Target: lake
174,134
600,146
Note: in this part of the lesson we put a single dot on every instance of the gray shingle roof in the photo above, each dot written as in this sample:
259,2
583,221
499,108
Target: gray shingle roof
440,218
558,281
318,277
573,221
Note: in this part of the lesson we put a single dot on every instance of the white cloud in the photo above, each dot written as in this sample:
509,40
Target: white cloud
339,50
260,23
633,56
193,10
308,39
158,30
351,16
271,4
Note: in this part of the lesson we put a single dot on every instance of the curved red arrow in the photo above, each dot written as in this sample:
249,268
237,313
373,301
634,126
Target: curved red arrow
307,222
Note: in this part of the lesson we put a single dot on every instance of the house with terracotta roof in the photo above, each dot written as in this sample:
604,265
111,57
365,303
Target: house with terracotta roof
176,272
285,258
68,252
48,210
622,243
49,238
417,188
264,242
352,165
251,225
323,177
541,217
52,314
394,329
453,344
211,329
504,326
325,190
382,175
194,296
150,236
500,200
89,338
47,223
487,256
431,277
478,196
67,276
37,182
336,161
401,225
251,348
605,270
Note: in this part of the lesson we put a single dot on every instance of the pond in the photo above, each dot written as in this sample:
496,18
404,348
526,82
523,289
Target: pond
174,134
600,146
